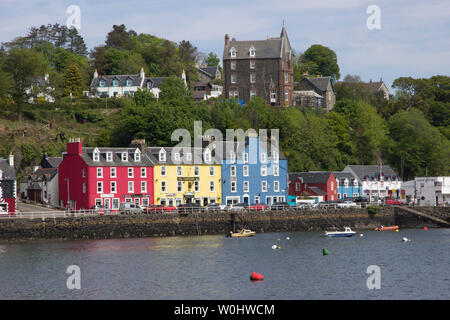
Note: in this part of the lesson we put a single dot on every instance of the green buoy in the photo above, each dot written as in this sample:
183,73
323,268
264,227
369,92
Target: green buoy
325,252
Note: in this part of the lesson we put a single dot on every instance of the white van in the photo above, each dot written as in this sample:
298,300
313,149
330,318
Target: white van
129,207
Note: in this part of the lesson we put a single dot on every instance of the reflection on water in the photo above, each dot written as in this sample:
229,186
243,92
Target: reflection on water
215,267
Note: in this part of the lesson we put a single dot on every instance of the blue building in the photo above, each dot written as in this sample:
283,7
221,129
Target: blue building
347,185
253,172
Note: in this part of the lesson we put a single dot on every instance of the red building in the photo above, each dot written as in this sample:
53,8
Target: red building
8,186
299,182
104,176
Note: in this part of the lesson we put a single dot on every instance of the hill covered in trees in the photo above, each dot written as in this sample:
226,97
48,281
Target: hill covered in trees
410,131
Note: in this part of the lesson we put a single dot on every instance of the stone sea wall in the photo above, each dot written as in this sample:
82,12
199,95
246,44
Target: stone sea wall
158,224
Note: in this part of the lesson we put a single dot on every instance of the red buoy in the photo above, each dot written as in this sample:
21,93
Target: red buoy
256,276
425,228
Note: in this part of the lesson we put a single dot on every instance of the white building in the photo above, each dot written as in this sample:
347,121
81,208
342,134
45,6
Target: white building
377,181
124,85
41,88
428,191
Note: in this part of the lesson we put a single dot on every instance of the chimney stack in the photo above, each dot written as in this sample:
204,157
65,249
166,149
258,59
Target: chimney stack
139,143
95,74
227,39
74,146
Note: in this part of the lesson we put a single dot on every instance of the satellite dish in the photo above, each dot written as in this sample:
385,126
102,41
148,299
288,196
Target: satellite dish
423,198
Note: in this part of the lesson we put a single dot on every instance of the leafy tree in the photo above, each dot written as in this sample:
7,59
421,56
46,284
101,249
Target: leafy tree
319,60
417,147
143,98
73,81
24,66
119,37
212,60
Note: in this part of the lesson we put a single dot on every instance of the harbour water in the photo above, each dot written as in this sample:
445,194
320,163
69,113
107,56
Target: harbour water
215,267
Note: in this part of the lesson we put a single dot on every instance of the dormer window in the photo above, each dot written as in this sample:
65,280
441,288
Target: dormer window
101,83
137,156
162,156
263,157
252,51
177,156
109,156
115,83
124,156
232,157
96,155
188,157
276,156
233,52
129,82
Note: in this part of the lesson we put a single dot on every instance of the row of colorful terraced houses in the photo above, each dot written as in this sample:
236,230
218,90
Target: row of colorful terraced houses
253,171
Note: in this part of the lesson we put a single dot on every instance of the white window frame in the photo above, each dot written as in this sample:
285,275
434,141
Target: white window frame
196,186
212,186
245,156
276,186
109,156
233,65
233,186
99,172
212,171
130,170
163,186
113,172
252,64
113,187
263,186
263,157
137,156
252,77
263,170
233,78
143,186
162,155
252,93
257,199
196,171
245,171
143,172
163,171
246,186
131,184
276,170
124,156
233,52
179,183
252,52
96,156
233,171
179,171
99,186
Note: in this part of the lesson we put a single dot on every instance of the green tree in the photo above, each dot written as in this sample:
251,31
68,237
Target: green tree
319,60
73,81
24,66
143,98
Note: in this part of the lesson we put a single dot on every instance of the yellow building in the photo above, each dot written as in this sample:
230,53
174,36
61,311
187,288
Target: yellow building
180,178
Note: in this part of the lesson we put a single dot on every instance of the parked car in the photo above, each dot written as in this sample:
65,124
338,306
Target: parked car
215,207
257,207
189,207
304,205
130,207
346,204
154,208
328,204
280,206
98,209
394,202
237,206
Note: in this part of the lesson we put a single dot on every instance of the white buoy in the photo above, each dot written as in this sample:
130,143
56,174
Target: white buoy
274,247
404,239
287,238
361,235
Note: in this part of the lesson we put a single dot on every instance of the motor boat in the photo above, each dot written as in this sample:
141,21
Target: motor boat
390,228
346,233
241,234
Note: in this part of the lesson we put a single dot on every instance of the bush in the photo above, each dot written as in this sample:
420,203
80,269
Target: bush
373,209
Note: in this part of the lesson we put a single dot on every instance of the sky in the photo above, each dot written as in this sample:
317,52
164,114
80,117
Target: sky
413,38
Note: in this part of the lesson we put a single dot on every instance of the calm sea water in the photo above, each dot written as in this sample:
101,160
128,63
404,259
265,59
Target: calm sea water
215,267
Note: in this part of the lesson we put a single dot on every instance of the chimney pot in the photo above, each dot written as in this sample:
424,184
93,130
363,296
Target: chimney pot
227,39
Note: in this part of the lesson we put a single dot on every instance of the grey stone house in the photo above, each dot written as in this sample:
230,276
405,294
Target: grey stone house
263,68
315,92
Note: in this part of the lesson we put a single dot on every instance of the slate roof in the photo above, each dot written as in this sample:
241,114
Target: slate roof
264,49
372,170
344,175
8,172
319,83
310,177
136,78
197,156
374,86
209,71
47,173
50,162
151,83
87,156
317,191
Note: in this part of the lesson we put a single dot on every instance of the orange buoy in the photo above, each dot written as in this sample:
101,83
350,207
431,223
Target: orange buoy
256,276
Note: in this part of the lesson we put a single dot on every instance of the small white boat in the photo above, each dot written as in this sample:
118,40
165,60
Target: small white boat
346,233
242,234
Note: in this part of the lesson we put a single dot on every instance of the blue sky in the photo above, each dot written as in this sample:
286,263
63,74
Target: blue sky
414,39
